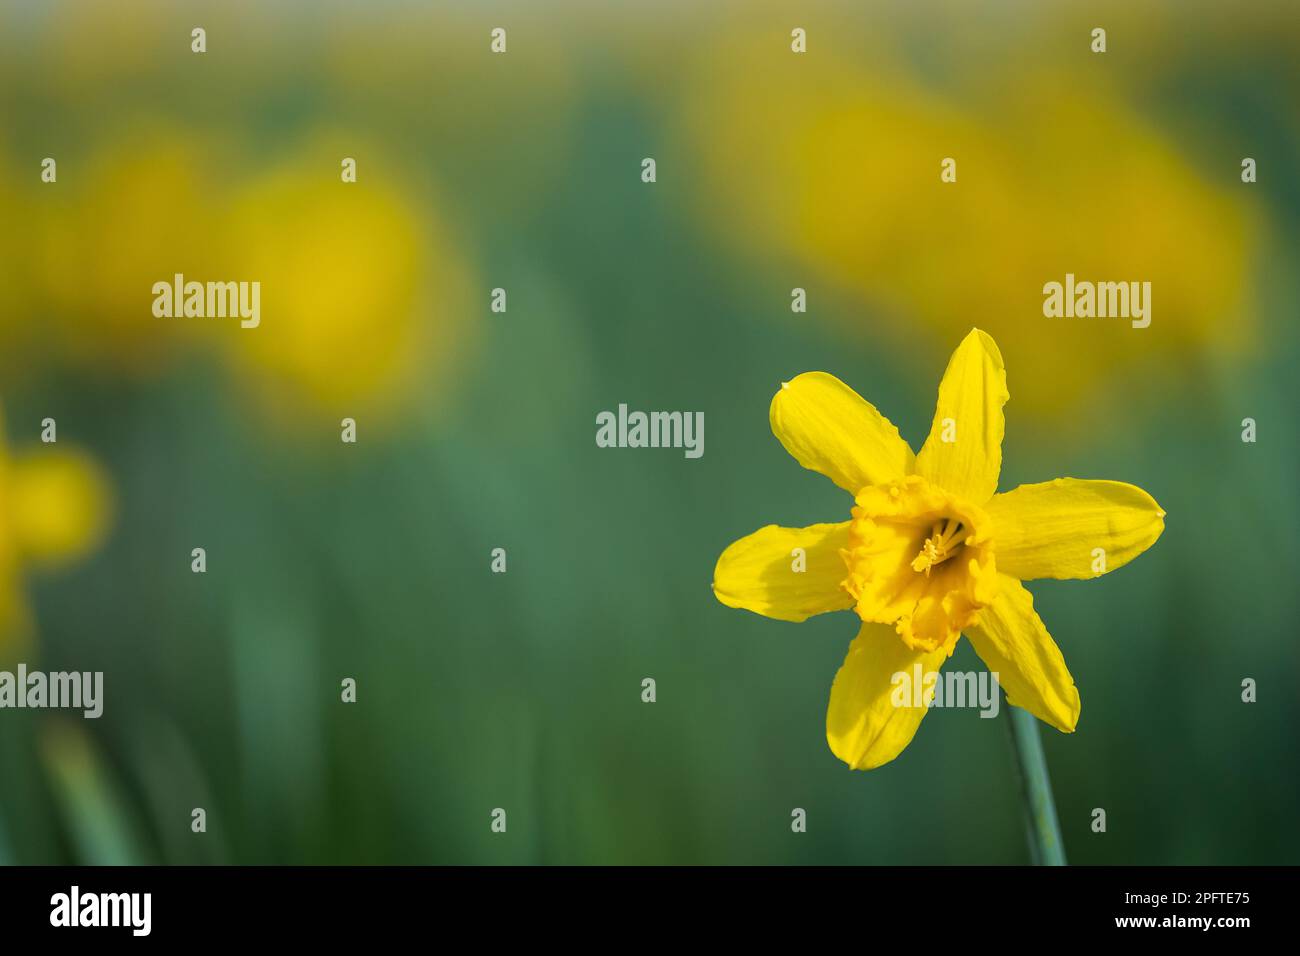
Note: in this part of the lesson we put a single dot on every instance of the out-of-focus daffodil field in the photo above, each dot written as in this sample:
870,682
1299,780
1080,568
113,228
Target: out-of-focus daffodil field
475,428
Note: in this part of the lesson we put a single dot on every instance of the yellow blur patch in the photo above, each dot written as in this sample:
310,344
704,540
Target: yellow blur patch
58,506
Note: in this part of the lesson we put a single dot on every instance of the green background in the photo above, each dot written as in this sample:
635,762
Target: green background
522,690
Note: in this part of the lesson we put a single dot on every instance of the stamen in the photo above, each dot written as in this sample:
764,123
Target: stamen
945,537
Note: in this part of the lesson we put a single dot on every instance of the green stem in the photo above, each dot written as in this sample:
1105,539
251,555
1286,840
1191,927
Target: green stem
1045,846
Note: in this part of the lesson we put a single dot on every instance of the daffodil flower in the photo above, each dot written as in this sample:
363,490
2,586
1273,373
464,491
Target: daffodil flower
931,550
55,507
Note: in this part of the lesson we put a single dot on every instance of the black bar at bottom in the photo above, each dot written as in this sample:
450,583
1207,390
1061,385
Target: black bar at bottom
366,904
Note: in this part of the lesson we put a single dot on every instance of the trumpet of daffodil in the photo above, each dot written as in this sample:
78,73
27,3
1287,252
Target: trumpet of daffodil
931,551
54,509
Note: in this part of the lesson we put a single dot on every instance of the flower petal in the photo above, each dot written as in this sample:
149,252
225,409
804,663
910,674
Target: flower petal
969,414
833,430
1011,640
866,725
758,572
1050,530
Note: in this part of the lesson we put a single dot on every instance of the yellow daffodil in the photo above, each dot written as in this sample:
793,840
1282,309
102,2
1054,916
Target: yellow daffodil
54,508
931,551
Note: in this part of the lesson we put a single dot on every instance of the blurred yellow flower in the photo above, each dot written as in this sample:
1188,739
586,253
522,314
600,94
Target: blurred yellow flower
55,508
932,551
141,208
363,295
832,169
